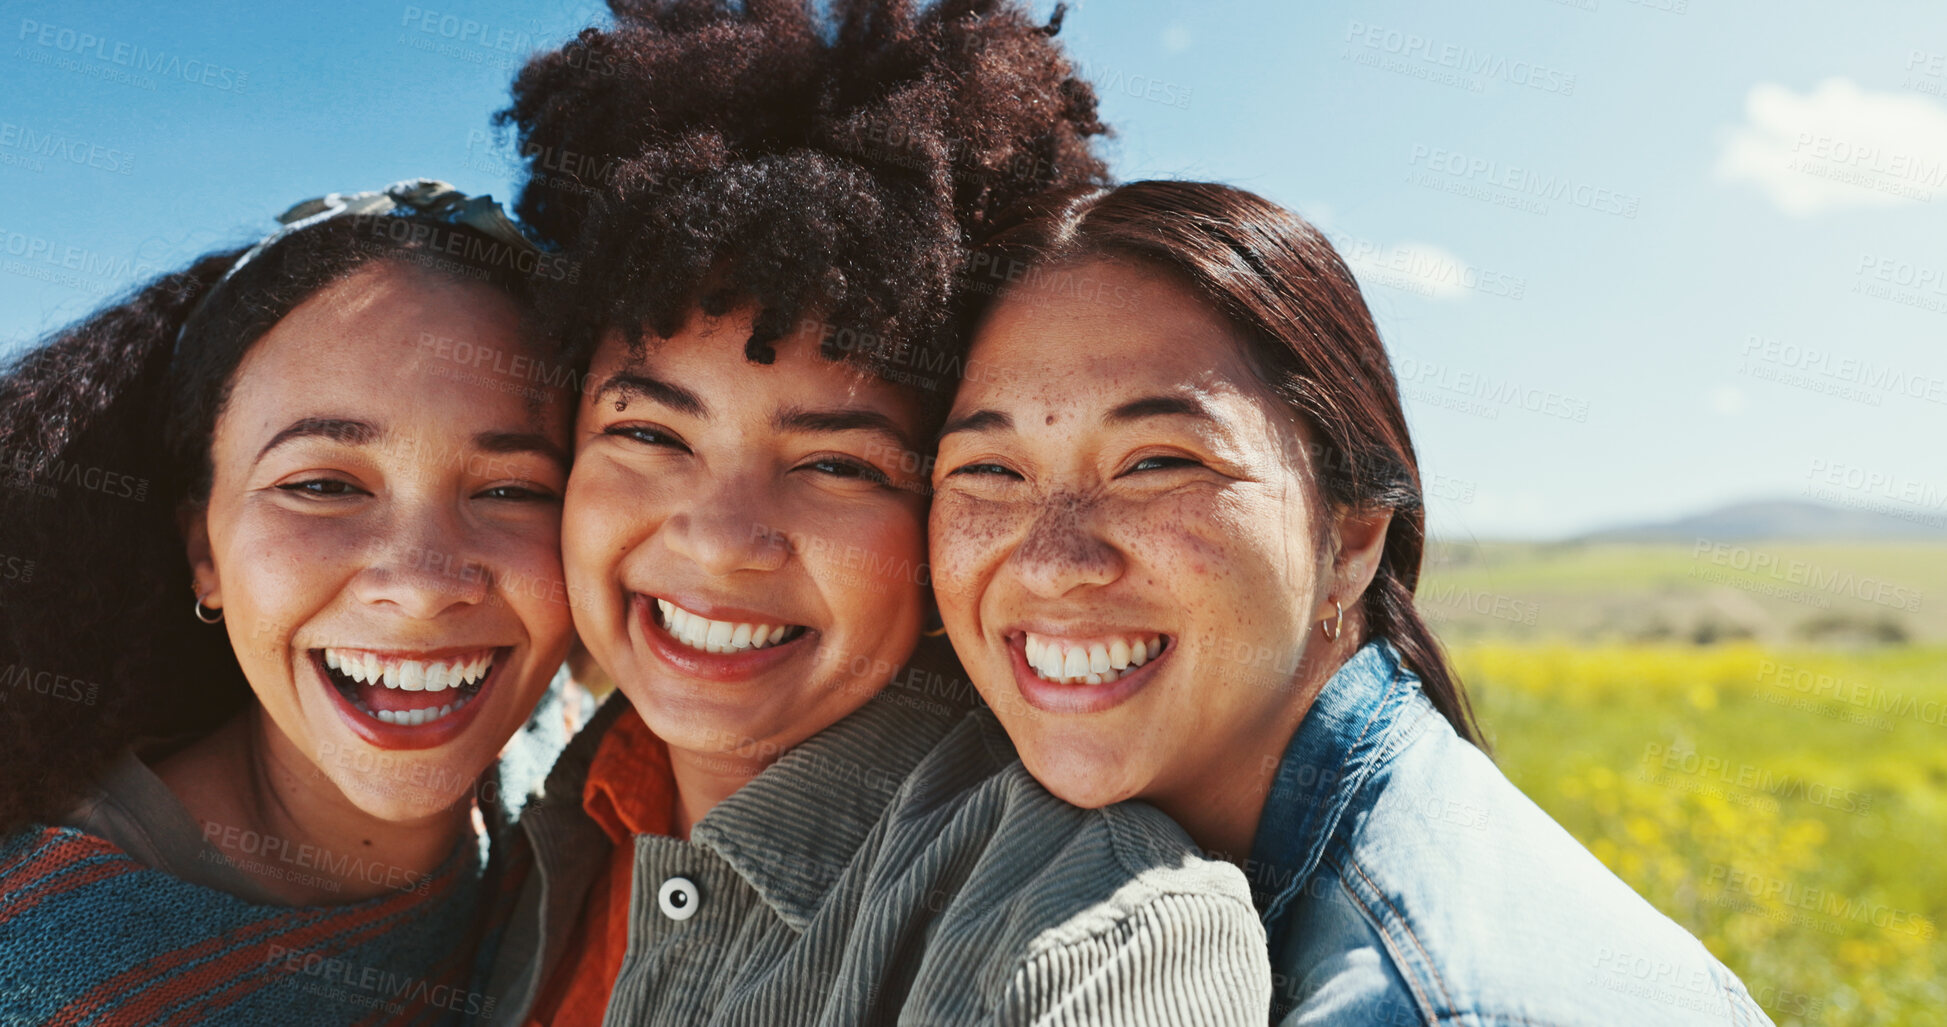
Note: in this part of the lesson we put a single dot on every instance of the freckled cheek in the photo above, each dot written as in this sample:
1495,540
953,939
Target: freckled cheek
970,540
1174,541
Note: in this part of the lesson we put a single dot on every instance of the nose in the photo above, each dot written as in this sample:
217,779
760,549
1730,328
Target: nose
727,528
423,566
1062,551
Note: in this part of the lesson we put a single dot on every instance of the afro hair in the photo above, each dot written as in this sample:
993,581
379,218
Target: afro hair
830,167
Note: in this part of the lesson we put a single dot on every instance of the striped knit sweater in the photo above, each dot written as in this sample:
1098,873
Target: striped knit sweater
89,935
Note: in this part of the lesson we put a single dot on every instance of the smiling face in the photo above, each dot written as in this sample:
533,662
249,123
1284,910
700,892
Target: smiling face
383,536
745,542
1123,539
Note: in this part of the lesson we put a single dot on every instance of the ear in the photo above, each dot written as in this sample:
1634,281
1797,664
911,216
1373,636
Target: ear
1360,537
194,524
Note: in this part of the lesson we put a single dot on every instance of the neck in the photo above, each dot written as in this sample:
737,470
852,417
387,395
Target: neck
269,808
704,779
1220,803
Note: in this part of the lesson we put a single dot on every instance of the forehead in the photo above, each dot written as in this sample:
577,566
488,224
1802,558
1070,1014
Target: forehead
706,358
396,339
1101,329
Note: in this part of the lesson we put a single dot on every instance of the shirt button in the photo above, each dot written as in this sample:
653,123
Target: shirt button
678,898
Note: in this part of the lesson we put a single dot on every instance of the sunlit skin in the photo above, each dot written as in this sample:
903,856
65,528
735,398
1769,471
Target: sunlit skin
1115,469
781,493
368,496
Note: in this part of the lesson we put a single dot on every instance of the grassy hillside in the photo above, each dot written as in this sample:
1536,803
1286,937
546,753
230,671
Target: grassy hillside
1784,593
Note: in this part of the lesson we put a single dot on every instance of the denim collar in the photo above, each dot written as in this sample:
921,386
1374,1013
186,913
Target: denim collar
1335,749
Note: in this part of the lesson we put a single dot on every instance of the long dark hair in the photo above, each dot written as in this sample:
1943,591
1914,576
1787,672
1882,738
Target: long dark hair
105,432
1310,338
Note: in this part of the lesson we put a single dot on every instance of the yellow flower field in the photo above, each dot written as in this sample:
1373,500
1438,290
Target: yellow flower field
1789,807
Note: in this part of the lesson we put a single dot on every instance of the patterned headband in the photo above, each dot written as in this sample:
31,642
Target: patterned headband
424,198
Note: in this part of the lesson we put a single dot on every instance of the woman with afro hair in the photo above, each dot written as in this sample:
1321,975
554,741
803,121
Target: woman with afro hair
792,813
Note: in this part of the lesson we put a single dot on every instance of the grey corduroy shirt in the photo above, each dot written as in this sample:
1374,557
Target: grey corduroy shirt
900,867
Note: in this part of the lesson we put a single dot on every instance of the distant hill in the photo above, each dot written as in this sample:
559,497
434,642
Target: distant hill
1783,520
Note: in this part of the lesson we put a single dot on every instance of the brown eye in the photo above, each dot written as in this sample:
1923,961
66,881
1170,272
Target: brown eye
849,469
321,487
646,434
515,492
1158,463
983,470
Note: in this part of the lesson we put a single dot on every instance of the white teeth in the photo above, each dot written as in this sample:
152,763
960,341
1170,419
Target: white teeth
414,718
717,636
1092,663
409,675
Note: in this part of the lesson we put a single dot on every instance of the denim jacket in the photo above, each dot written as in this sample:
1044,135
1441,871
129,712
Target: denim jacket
1403,880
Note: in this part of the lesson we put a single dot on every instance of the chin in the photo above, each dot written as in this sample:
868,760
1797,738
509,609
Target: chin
1079,781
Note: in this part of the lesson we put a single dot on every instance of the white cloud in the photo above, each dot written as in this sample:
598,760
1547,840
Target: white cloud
1416,267
1176,38
1836,147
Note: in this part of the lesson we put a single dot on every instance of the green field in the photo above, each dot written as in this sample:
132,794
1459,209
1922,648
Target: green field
1780,789
1776,593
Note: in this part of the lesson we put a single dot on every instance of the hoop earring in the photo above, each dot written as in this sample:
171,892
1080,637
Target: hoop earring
1338,623
200,610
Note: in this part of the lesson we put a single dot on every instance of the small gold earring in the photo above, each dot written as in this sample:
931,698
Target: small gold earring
1338,623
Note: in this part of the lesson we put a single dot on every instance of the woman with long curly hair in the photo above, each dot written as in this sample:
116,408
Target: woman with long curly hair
296,582
785,816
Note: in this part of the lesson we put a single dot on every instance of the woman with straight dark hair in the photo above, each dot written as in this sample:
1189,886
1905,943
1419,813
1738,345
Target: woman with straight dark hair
1175,538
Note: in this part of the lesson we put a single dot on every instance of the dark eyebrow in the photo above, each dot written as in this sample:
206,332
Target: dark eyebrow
625,384
338,429
979,420
799,419
521,442
1159,406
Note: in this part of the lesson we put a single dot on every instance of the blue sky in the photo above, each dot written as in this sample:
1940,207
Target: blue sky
1632,259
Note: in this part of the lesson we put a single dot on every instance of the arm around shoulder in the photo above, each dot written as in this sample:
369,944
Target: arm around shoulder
1194,960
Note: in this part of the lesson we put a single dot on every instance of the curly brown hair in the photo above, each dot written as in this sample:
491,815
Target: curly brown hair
825,168
105,433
